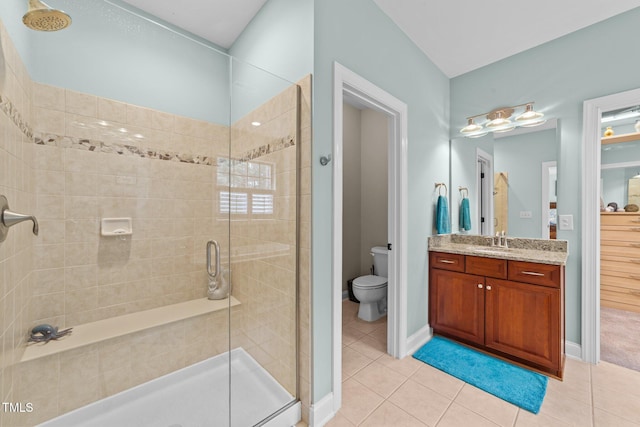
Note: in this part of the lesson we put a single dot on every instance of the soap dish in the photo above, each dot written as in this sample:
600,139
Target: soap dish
116,227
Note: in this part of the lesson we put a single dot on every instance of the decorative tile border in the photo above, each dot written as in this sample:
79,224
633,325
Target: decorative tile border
130,150
12,112
265,149
122,149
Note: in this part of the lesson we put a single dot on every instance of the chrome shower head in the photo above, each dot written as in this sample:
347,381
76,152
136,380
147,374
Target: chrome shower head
41,17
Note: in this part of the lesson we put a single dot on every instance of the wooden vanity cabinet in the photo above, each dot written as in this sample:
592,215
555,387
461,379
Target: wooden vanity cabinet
510,308
456,303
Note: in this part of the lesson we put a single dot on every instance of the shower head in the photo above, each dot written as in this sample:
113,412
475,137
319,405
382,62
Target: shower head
42,18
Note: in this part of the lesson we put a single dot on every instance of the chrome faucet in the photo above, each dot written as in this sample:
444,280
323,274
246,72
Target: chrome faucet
503,240
500,240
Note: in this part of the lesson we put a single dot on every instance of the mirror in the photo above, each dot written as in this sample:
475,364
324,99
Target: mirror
510,179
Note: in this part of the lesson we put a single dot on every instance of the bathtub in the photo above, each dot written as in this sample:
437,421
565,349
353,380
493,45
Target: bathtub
197,395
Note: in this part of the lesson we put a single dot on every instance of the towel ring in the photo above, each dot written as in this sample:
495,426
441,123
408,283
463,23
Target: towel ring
464,191
439,186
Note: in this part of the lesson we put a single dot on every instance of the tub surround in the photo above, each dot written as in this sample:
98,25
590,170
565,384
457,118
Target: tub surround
519,249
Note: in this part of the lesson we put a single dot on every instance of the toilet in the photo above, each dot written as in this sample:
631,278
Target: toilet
370,290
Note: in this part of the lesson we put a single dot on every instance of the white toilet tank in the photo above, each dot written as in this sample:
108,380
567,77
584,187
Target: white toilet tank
380,265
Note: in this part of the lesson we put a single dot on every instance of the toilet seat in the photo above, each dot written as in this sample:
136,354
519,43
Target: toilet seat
370,282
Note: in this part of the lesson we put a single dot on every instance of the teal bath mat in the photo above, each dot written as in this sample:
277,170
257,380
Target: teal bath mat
516,385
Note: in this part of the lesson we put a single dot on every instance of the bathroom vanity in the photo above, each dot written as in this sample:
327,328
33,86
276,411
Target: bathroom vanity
505,301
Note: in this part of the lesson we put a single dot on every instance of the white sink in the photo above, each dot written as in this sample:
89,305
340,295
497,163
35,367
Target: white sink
490,250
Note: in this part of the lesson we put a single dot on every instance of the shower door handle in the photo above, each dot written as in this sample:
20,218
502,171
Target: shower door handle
215,244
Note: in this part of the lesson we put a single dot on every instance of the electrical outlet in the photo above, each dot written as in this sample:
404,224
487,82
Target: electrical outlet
565,222
525,214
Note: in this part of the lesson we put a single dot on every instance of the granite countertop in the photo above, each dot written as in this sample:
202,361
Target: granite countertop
531,250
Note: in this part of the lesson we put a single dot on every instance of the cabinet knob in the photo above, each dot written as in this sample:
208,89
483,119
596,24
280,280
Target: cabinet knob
488,287
480,285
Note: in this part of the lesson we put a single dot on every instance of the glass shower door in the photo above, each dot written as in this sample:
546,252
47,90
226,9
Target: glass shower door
262,202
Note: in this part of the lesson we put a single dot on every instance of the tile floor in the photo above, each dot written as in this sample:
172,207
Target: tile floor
381,391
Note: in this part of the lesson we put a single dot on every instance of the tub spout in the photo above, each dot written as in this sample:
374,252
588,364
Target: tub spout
12,218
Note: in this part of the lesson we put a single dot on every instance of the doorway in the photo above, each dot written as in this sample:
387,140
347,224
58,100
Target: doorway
549,199
486,191
591,176
357,89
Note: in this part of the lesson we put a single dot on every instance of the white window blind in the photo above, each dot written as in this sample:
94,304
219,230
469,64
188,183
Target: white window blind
235,203
262,204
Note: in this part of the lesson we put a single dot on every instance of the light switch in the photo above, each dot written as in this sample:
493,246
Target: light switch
566,222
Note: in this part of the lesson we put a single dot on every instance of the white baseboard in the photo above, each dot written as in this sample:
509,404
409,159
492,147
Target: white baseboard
321,412
573,350
417,340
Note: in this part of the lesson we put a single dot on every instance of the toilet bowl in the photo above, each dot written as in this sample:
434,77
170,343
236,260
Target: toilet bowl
371,290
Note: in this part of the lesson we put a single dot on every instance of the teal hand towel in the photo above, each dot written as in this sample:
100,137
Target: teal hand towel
442,216
465,215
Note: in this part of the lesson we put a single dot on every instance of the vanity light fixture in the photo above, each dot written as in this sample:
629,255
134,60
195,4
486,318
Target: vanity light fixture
471,127
499,120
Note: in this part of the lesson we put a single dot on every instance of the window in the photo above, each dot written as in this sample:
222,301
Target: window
252,185
235,203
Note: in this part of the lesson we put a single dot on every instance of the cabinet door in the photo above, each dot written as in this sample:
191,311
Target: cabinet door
523,320
456,305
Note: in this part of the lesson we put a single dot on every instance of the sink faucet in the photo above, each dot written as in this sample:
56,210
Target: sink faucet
500,240
503,240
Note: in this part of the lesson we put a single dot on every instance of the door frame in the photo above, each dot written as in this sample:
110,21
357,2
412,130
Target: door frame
371,96
485,192
590,231
546,200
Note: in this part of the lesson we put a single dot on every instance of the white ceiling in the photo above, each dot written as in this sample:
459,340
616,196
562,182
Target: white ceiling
462,35
457,35
219,21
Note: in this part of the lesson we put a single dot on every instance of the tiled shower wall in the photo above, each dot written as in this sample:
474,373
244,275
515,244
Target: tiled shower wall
16,183
264,241
97,158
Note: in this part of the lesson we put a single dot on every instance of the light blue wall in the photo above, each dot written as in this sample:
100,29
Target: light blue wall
521,157
615,181
279,39
361,37
596,61
115,54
